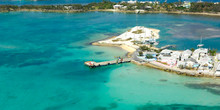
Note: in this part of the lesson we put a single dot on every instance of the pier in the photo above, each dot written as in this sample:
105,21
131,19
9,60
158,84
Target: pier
168,47
93,64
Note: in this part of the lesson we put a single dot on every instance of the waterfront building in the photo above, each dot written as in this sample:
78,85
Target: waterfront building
186,54
68,7
217,72
200,52
191,63
132,2
186,4
148,7
117,7
139,11
166,52
218,57
176,55
181,64
168,56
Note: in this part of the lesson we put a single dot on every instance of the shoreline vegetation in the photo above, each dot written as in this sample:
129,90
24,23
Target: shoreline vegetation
132,52
203,8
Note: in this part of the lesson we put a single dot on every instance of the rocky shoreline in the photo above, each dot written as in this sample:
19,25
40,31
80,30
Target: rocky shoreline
112,10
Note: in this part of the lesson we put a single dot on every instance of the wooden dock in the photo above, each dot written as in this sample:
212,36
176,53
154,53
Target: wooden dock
168,47
93,64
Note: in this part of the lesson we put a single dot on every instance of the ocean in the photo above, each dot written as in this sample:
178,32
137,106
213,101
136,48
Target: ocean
42,59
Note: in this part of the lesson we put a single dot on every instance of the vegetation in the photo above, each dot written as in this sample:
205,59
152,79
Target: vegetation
107,4
148,56
128,39
141,53
137,32
192,49
158,51
213,52
204,7
145,48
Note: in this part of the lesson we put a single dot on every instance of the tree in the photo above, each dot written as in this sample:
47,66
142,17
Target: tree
140,53
145,48
213,52
192,49
148,56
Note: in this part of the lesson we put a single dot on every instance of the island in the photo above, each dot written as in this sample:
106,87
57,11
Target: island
185,7
141,44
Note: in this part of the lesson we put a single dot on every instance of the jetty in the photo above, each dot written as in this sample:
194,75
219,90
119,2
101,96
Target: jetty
168,47
93,64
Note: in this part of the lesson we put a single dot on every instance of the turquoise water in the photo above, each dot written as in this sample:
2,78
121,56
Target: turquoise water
42,56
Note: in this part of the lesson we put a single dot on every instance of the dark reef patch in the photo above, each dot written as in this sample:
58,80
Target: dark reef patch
210,87
33,62
99,53
100,108
75,47
112,34
163,80
113,105
63,105
176,107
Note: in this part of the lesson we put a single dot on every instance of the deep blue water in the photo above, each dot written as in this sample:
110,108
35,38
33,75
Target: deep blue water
47,2
42,56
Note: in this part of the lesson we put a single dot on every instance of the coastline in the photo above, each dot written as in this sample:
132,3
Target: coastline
190,73
117,11
158,12
130,52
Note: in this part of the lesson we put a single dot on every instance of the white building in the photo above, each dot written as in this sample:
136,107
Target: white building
116,7
132,2
139,11
168,56
190,62
186,4
218,57
176,55
207,60
181,64
186,54
166,52
148,7
68,7
198,53
217,72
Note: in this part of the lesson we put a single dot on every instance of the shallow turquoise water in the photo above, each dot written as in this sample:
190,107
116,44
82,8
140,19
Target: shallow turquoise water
42,56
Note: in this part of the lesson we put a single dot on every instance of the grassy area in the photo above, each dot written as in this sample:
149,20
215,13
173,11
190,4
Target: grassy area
138,32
